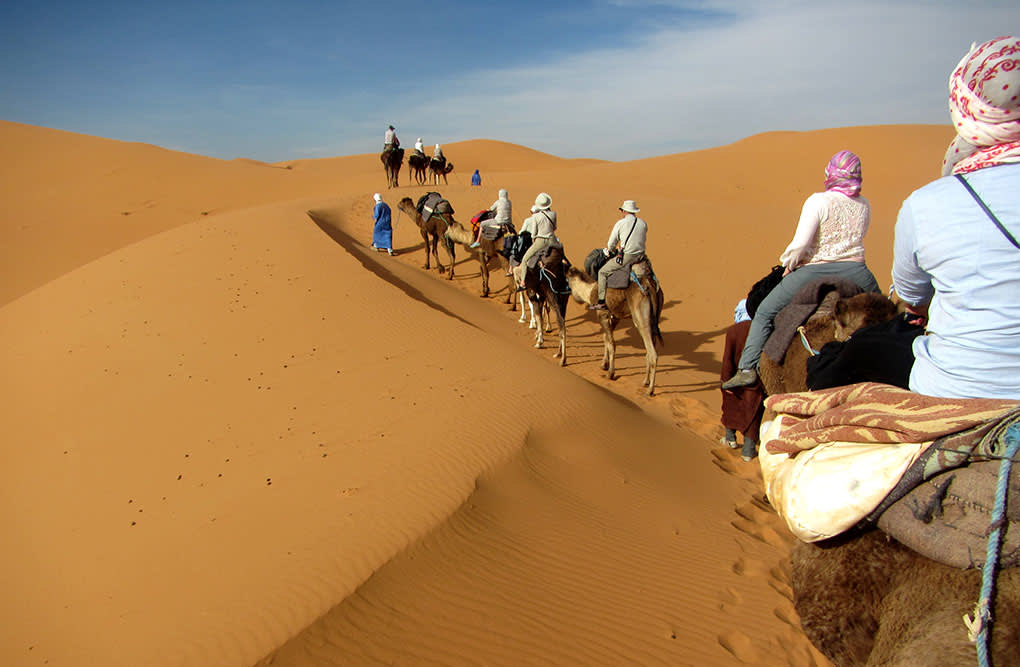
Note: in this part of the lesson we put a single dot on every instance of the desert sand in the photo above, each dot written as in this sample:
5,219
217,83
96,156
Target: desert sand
233,434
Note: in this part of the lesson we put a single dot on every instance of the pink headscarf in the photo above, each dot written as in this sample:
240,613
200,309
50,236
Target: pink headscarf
984,103
843,174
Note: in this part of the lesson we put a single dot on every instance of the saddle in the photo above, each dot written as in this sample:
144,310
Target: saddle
432,203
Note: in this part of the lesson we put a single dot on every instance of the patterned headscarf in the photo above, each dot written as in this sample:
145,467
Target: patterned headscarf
984,103
843,174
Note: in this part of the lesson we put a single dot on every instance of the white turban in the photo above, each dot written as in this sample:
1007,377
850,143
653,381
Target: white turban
984,103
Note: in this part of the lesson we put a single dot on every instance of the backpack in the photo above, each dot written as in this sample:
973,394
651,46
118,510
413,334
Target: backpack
763,288
595,260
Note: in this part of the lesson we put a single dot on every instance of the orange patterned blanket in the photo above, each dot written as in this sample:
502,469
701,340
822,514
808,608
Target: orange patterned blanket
873,412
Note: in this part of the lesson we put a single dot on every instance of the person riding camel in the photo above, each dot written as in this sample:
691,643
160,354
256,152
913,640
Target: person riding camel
419,148
502,209
627,240
828,244
437,154
390,141
544,221
956,241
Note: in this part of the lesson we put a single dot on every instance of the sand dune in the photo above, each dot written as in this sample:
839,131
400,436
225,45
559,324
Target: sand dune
235,434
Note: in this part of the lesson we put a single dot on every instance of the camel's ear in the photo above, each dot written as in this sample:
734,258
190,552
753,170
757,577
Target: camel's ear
841,312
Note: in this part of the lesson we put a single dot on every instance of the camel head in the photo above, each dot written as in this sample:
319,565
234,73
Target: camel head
861,310
582,288
407,206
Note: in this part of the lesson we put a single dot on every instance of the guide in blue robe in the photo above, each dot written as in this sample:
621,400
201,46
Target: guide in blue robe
382,233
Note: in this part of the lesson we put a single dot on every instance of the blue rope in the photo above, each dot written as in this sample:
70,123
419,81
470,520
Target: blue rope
547,276
981,623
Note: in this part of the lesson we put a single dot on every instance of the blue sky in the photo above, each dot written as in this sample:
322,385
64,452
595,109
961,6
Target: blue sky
613,79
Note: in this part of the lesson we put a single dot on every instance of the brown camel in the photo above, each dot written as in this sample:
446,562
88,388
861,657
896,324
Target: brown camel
487,251
868,600
546,285
439,167
864,598
432,231
392,159
835,319
418,164
644,304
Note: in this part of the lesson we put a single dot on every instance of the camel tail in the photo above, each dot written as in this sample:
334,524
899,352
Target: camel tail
657,299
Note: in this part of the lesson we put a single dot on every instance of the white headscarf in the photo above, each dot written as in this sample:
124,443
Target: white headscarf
984,103
377,197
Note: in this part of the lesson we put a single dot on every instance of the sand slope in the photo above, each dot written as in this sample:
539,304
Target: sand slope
243,436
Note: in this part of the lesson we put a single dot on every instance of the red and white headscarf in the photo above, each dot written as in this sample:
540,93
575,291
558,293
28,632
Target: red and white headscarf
843,174
984,103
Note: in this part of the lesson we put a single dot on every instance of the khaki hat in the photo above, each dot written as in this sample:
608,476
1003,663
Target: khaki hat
629,206
543,201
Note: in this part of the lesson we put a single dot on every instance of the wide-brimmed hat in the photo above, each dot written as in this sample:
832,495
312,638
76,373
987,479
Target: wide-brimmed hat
392,128
629,206
543,201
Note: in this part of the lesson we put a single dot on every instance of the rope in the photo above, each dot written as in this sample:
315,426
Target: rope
979,625
547,275
804,341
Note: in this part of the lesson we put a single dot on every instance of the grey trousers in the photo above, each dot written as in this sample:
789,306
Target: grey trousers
612,267
783,293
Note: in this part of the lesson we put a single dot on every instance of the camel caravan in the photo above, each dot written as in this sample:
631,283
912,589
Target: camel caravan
543,281
423,168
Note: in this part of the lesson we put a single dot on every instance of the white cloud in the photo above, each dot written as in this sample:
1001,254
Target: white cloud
786,65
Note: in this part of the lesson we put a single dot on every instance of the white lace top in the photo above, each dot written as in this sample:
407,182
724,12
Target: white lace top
831,229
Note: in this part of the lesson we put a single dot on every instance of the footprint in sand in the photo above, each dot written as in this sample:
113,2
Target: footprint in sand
738,644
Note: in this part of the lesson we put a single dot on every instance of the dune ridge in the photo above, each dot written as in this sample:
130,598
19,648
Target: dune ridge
244,437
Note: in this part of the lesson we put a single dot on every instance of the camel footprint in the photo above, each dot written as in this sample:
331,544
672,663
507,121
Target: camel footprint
739,645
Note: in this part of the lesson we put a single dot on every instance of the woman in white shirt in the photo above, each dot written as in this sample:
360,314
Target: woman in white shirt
828,243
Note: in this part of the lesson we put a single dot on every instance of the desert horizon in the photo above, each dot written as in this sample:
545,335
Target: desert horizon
237,435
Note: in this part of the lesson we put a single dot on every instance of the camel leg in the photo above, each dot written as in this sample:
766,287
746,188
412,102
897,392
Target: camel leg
540,325
533,324
524,309
561,322
425,238
483,261
451,253
641,316
609,343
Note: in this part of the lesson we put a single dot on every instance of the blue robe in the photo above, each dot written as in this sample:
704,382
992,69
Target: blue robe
382,234
476,178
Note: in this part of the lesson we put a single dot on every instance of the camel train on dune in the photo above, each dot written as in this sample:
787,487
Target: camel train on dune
864,597
422,169
548,290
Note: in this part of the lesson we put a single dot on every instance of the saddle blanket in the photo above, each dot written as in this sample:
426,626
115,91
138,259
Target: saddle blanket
833,458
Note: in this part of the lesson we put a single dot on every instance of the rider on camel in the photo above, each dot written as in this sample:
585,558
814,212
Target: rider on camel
419,148
502,209
390,141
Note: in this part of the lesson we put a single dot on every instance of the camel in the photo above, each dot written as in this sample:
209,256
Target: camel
547,286
439,167
488,250
418,164
822,327
862,597
865,599
644,304
392,159
431,232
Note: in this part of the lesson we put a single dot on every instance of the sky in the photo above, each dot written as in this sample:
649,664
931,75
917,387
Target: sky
611,79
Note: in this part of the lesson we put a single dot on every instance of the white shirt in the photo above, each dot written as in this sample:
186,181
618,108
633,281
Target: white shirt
543,225
633,242
831,229
390,136
502,208
948,252
418,146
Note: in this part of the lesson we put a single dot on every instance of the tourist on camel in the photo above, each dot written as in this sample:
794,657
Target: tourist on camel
828,243
390,141
742,408
626,246
956,255
542,236
382,232
419,148
437,153
502,209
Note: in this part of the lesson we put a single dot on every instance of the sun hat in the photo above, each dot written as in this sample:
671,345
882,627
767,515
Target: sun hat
543,201
392,128
629,206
